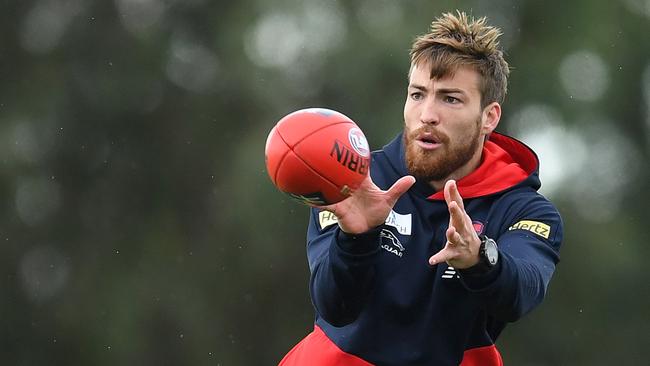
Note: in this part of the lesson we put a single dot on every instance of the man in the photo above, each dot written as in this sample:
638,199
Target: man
429,271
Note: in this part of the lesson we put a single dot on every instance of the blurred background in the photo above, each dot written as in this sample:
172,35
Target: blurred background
138,225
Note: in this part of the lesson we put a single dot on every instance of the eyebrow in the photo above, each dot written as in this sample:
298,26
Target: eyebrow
418,87
451,91
441,90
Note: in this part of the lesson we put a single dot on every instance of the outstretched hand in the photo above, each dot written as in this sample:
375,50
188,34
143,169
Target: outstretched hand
462,247
368,206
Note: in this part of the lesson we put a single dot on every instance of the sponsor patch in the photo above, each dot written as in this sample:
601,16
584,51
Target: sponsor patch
390,243
535,227
400,222
326,218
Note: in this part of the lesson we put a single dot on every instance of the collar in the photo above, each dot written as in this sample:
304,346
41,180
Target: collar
505,163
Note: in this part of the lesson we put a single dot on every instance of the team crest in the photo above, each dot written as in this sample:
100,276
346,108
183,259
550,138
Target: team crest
478,227
359,142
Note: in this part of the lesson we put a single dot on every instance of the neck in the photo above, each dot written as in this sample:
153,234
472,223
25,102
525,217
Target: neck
461,172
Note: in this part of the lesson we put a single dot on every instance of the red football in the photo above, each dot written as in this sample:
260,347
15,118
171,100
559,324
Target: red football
318,156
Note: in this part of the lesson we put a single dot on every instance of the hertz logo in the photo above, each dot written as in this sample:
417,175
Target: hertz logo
535,227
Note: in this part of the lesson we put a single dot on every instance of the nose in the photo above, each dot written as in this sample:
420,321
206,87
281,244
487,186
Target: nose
429,114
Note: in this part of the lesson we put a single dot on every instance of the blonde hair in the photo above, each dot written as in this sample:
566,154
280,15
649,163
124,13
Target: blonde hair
458,40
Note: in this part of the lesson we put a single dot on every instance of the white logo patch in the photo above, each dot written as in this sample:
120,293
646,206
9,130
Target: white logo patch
400,222
326,218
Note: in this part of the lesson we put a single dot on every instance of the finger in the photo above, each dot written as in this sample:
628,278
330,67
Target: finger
399,188
457,217
440,257
453,237
452,194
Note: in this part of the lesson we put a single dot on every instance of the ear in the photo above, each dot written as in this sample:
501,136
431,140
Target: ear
490,118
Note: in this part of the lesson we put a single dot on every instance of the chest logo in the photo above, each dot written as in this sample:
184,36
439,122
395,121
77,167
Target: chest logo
400,222
390,243
326,218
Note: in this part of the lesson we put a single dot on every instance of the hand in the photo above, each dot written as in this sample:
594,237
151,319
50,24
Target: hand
368,206
462,247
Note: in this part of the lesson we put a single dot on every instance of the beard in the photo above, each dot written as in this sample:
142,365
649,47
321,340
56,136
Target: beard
438,164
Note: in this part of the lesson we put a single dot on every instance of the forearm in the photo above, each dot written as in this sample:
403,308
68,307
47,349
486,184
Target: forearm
515,286
343,279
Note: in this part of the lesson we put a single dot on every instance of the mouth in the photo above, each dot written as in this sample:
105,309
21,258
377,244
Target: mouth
428,141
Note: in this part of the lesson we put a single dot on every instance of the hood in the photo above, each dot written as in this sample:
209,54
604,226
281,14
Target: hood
506,163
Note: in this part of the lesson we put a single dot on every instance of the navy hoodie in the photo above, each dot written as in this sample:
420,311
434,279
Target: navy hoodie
379,302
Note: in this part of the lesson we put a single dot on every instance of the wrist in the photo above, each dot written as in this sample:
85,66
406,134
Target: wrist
487,258
361,243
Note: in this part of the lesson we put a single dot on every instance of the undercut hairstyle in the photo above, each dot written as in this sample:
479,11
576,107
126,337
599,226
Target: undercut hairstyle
458,40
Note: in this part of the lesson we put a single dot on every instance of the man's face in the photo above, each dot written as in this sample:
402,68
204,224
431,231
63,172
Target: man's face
443,123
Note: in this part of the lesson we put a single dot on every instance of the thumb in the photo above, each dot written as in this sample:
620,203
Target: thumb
440,257
399,188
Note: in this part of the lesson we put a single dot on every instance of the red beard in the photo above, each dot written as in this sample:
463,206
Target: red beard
438,164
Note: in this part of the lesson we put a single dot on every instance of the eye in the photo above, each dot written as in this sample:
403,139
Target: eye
451,100
416,95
